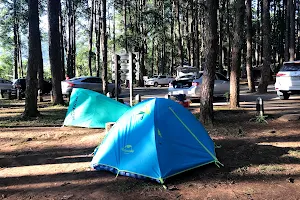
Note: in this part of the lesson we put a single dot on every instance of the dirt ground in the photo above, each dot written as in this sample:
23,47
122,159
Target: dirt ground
261,161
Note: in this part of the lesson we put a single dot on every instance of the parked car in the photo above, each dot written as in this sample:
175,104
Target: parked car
288,79
5,85
158,80
21,85
186,77
86,82
192,88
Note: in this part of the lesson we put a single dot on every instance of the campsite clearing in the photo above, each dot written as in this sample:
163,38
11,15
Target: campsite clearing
39,159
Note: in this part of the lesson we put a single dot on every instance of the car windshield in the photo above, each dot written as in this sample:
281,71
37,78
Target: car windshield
153,76
290,67
74,79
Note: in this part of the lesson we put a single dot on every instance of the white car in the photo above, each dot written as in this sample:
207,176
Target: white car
288,79
192,88
158,80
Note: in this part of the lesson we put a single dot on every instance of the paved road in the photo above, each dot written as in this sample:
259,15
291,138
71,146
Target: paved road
247,100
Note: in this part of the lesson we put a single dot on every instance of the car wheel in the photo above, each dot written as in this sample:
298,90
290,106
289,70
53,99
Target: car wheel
284,96
155,84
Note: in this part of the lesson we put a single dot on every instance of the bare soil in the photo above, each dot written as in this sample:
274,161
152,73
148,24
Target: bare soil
261,161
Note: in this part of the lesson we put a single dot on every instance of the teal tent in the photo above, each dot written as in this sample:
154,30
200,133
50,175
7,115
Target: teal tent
92,110
155,139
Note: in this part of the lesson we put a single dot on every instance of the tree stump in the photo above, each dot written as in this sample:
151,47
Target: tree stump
108,126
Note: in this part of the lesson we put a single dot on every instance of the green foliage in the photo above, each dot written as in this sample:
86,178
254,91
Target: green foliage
260,119
6,65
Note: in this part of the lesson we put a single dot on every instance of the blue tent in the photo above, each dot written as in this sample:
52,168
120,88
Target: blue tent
156,139
92,110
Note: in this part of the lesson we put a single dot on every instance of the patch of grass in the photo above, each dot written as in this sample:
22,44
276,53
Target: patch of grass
50,116
294,153
260,119
271,168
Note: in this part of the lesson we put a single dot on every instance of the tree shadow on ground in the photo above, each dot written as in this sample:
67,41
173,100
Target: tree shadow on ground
239,154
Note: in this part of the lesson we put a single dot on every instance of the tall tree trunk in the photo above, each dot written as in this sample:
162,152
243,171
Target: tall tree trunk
91,38
61,31
287,30
210,53
104,46
180,48
114,31
188,42
54,54
74,42
152,56
33,60
16,45
98,36
236,53
257,47
292,30
228,39
172,36
265,72
249,46
196,45
221,12
20,62
70,41
125,24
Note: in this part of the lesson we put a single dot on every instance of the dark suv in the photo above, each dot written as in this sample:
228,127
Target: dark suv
21,85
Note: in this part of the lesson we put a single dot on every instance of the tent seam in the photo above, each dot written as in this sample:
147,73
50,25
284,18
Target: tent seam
214,157
155,130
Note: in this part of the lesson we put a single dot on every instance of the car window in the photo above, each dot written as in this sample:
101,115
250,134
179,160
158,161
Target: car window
221,77
74,79
162,77
290,67
1,81
92,80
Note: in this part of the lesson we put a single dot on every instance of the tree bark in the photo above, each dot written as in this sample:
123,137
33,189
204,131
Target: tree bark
61,31
265,72
210,53
228,39
292,30
91,38
250,78
287,31
98,36
125,24
257,47
16,45
54,54
236,53
33,60
104,46
221,12
180,48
